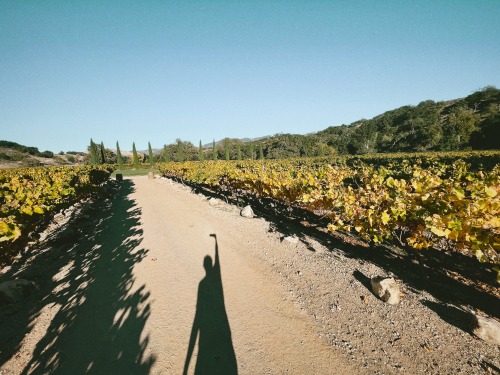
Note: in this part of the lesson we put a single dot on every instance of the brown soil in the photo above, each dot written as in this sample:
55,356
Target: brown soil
123,289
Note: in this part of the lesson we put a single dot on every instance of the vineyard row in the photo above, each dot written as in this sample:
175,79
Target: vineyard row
28,196
424,203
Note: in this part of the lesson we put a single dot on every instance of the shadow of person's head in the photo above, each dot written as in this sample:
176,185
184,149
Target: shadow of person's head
207,264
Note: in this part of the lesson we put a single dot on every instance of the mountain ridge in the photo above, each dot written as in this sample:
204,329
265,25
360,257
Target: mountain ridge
471,122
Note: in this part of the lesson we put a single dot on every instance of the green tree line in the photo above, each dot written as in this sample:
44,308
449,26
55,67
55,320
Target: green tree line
470,123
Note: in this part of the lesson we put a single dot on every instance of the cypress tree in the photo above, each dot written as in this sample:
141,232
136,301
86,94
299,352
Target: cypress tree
239,152
135,157
119,156
202,156
180,151
91,159
93,153
214,151
102,154
150,152
226,149
251,150
261,153
166,154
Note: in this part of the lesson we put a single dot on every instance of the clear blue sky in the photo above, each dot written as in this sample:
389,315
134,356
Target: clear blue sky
160,70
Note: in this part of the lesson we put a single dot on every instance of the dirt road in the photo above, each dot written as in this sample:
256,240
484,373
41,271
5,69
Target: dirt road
152,279
140,293
243,315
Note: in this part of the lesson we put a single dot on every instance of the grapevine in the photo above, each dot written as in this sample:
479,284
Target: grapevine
29,195
432,201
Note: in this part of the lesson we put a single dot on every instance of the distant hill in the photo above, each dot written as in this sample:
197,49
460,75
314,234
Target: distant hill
13,155
466,123
470,123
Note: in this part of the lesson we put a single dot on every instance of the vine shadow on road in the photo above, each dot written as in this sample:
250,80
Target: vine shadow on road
100,312
432,273
450,277
215,347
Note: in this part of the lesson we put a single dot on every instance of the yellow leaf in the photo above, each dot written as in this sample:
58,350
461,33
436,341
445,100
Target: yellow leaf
495,222
438,232
490,192
385,217
4,227
390,182
27,211
452,235
480,256
460,194
417,186
38,210
332,227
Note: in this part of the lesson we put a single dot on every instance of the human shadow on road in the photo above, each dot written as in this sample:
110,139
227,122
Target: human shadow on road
85,274
449,276
215,347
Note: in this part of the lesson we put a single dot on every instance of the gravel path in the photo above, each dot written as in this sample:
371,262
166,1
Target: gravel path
126,287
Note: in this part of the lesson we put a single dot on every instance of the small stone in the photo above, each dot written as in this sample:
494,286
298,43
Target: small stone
487,329
386,288
213,202
291,239
58,218
13,291
247,212
70,211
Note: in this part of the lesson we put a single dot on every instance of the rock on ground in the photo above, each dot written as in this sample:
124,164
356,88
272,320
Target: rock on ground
487,329
291,239
13,291
213,201
386,288
247,212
